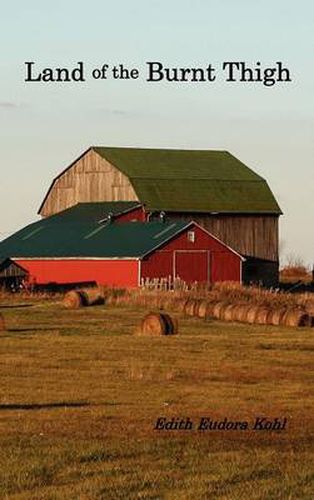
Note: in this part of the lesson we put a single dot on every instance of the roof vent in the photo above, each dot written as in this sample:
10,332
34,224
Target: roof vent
108,219
162,216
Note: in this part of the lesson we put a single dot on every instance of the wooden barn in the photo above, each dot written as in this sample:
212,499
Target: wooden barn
105,243
212,188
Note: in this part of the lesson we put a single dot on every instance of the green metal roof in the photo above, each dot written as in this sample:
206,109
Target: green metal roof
192,180
62,236
94,211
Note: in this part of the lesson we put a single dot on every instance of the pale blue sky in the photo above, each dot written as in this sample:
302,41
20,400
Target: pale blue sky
45,126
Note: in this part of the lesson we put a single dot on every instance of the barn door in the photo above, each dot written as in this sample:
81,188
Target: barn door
192,265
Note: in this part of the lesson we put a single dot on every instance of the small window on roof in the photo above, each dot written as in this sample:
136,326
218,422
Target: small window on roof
191,236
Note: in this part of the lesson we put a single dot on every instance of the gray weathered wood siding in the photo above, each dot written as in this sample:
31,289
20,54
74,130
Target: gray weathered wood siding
10,270
91,178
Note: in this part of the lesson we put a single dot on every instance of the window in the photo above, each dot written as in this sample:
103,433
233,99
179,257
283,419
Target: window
191,236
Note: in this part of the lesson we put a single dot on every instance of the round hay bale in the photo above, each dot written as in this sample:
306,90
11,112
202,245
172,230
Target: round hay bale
196,307
190,307
243,313
2,323
269,316
73,300
153,325
181,303
218,309
210,308
235,312
251,314
262,315
228,312
296,317
276,315
157,324
171,324
239,312
202,309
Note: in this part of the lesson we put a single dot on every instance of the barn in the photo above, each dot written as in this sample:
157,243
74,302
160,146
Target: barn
107,243
212,188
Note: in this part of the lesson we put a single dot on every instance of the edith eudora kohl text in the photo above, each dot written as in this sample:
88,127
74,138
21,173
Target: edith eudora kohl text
226,424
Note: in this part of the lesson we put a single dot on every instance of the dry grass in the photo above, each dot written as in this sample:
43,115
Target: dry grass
14,298
295,270
294,273
80,395
232,292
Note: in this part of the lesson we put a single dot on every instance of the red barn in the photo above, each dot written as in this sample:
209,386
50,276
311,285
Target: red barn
112,245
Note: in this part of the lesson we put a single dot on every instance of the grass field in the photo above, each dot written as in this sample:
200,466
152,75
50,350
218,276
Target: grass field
80,396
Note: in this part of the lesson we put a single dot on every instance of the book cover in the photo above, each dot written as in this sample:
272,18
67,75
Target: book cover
156,250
